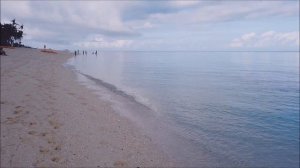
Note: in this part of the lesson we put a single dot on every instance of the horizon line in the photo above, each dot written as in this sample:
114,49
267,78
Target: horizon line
199,50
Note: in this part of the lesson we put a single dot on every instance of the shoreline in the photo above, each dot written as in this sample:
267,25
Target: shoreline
49,119
159,129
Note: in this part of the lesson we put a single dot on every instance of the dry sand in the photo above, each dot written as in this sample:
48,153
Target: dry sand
49,119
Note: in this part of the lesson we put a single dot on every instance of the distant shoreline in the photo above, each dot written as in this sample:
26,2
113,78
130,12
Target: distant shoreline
184,51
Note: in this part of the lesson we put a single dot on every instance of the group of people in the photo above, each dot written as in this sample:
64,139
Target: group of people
77,52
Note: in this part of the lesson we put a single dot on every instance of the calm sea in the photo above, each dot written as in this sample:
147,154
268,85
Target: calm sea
205,108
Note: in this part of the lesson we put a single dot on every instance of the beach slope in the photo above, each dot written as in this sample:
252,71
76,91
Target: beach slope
49,119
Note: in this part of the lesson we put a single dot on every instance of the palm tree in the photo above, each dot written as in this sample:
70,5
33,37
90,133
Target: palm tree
14,22
11,34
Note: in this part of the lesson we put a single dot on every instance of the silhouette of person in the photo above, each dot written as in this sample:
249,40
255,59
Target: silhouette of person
44,46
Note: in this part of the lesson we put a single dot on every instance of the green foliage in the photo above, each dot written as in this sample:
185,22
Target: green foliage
11,34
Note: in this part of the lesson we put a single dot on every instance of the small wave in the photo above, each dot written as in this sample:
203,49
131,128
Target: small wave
115,90
69,66
132,97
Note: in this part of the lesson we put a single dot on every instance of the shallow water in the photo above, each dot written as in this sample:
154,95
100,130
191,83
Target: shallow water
227,108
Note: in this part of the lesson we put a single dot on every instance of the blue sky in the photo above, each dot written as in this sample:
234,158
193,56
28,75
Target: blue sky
157,25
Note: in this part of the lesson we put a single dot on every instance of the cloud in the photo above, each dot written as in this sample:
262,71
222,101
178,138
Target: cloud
100,42
124,24
16,9
223,11
267,39
104,16
183,4
35,33
239,42
137,25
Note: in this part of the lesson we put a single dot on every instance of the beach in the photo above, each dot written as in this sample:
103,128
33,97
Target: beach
49,120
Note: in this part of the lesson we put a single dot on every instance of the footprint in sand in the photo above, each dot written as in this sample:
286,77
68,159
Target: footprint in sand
44,150
32,123
43,134
51,140
32,132
52,98
52,114
57,148
18,109
84,104
55,159
12,120
120,163
50,102
72,94
54,124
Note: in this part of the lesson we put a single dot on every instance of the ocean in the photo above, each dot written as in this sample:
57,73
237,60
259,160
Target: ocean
205,108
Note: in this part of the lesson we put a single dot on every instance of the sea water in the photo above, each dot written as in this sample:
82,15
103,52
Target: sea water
227,108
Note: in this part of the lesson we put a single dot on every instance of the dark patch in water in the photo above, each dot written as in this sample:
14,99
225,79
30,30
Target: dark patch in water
114,89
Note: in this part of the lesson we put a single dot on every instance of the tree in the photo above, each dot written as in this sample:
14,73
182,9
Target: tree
11,34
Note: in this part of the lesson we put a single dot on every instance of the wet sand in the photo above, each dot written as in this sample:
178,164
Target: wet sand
49,119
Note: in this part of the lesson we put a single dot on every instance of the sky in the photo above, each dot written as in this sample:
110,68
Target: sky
233,25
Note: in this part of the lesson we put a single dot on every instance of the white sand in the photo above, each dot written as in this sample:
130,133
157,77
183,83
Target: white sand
49,119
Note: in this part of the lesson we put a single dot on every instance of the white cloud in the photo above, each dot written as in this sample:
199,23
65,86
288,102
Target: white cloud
185,3
267,39
124,24
19,9
224,11
136,25
99,42
104,15
35,33
239,42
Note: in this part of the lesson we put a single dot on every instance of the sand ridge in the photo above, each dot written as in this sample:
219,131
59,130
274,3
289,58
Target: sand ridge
49,120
